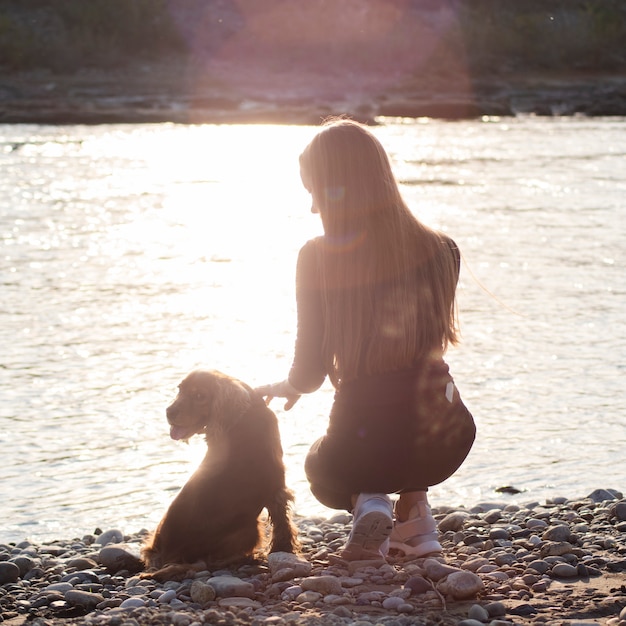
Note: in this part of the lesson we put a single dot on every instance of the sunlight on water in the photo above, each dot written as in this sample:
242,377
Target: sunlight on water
133,254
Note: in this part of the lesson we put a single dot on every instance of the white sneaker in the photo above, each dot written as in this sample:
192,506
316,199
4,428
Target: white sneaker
418,535
371,527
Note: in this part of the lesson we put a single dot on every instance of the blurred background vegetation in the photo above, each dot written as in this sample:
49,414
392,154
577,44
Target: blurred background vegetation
498,36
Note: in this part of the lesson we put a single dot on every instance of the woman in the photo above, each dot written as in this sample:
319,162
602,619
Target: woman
376,312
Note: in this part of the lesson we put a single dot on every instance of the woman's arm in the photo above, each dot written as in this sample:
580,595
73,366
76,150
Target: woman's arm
307,371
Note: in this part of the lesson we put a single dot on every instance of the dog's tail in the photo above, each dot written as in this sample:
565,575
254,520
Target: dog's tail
284,532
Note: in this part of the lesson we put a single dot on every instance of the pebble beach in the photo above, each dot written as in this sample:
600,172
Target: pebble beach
559,562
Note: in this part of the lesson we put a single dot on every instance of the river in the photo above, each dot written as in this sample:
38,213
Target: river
132,254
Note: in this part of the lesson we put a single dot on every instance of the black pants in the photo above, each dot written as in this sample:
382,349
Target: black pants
391,433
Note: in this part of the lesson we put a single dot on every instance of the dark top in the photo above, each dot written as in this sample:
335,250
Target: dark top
307,371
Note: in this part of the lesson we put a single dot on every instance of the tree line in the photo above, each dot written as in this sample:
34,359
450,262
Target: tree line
494,35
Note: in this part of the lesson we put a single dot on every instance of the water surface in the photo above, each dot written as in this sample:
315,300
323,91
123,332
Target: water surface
133,254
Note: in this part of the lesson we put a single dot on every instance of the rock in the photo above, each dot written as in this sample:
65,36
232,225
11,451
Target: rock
600,495
478,613
239,602
24,563
309,596
336,600
495,609
287,566
355,566
453,521
322,584
492,516
83,599
60,587
110,536
122,556
9,572
462,585
340,518
133,603
170,594
620,511
499,533
436,570
82,563
554,548
473,565
417,585
202,593
564,570
523,610
392,603
512,572
230,586
561,532
535,523
540,566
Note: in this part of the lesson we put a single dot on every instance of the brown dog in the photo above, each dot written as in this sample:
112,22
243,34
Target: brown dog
214,519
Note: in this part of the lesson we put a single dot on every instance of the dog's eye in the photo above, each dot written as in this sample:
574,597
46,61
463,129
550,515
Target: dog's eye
199,396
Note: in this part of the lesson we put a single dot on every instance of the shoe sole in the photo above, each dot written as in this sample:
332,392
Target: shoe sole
420,550
369,533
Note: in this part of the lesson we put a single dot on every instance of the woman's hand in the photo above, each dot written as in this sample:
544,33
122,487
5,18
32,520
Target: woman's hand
283,389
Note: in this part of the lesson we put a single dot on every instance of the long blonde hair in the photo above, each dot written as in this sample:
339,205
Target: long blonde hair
388,281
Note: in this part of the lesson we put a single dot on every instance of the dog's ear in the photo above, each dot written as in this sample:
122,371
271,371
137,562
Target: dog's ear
230,400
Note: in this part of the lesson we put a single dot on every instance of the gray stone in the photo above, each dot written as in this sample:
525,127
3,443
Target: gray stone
24,563
322,584
556,548
335,600
309,596
478,613
453,521
239,602
133,603
230,586
122,556
564,570
436,570
492,516
462,585
287,566
499,533
600,495
81,563
540,566
561,532
168,596
9,572
84,599
620,511
392,603
202,593
60,587
495,609
417,585
110,536
474,564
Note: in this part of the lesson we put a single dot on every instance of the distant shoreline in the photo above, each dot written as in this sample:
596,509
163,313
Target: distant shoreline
170,93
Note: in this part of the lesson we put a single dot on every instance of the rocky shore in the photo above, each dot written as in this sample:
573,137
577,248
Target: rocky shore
562,562
179,93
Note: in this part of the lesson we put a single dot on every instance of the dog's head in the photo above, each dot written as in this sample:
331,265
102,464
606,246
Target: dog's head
206,403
